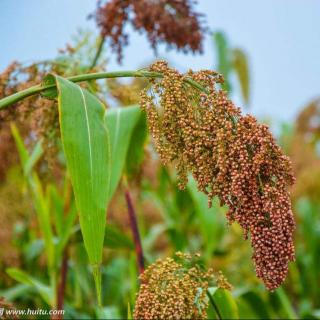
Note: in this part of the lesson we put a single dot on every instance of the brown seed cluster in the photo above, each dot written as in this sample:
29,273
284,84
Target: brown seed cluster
222,282
7,146
231,156
172,22
173,289
35,117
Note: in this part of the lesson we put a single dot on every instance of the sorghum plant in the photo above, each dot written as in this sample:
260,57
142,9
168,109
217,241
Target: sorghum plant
230,156
172,22
195,126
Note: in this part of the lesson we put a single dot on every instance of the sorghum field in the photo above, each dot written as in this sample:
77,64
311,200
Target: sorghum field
157,191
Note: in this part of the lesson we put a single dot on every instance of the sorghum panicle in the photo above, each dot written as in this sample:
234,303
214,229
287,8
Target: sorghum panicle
173,22
231,156
35,117
173,289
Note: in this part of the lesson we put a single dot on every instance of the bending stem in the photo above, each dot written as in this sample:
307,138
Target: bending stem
14,98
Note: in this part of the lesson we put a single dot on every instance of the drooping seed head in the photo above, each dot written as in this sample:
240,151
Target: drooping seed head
231,156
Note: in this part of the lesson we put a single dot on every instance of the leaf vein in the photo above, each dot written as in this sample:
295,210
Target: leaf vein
89,136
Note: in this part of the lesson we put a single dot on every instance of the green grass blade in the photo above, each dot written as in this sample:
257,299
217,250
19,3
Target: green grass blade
225,303
120,122
211,219
285,302
46,292
15,292
64,221
85,141
241,67
38,197
136,152
223,57
116,239
34,157
255,303
129,313
22,150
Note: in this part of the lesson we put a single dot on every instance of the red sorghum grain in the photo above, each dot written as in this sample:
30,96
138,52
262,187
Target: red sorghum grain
231,156
172,22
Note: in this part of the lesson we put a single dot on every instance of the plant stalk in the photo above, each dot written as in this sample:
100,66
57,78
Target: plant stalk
62,283
61,287
135,231
98,53
14,98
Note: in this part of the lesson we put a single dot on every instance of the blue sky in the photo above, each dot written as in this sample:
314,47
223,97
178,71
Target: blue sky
281,38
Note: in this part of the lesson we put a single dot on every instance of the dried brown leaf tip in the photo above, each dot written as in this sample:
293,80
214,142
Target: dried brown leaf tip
173,288
173,22
231,156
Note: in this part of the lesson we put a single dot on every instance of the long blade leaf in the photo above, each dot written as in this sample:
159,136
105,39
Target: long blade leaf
120,122
85,141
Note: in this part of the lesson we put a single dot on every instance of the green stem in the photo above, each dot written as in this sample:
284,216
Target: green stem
14,98
98,53
97,279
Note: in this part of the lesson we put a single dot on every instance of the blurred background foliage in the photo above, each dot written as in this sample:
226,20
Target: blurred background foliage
41,246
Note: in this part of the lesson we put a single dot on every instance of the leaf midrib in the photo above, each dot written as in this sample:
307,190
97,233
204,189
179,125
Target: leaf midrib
89,135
